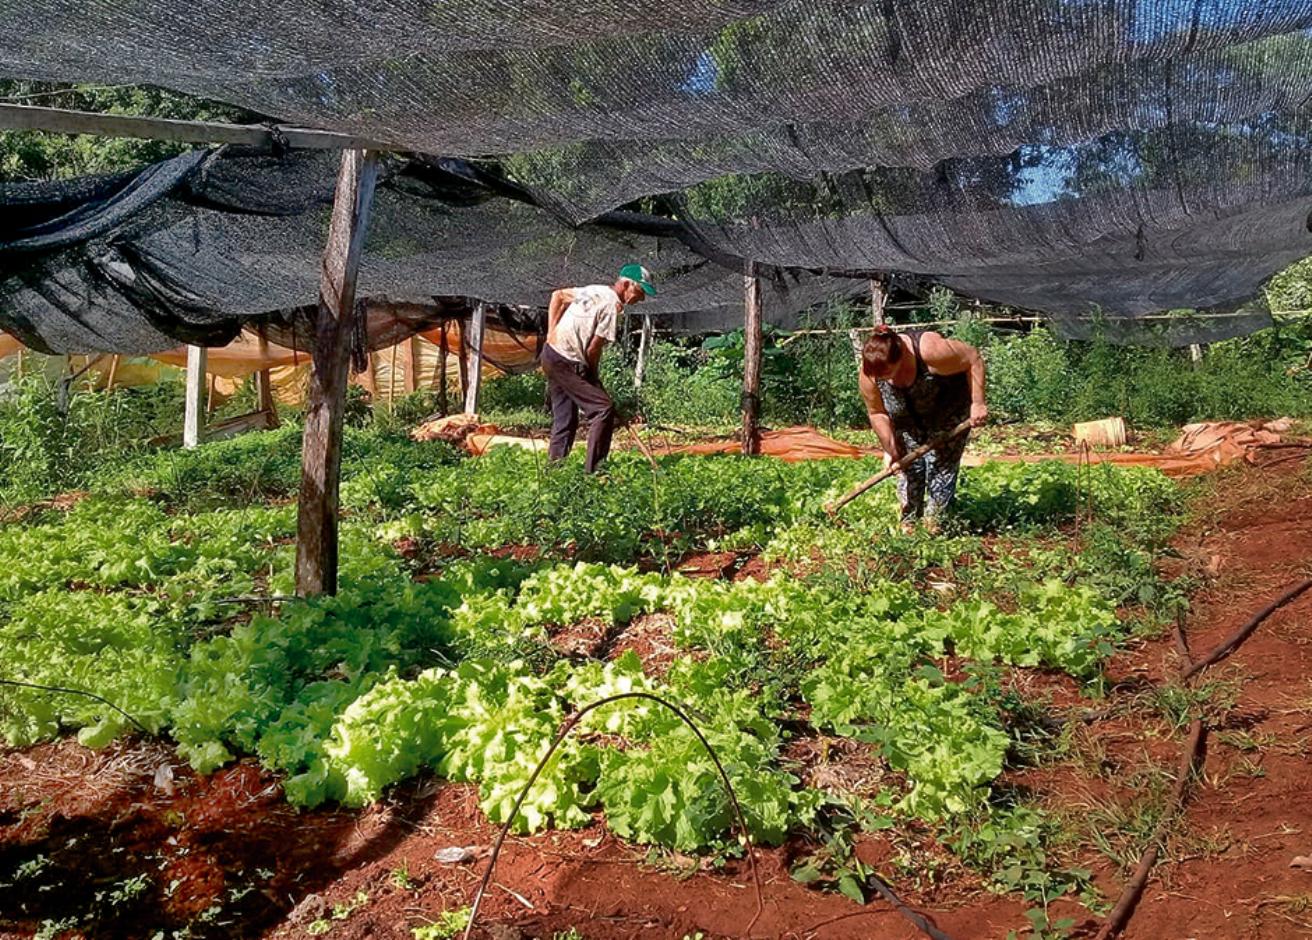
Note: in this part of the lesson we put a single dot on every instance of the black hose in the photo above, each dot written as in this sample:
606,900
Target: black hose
560,737
92,695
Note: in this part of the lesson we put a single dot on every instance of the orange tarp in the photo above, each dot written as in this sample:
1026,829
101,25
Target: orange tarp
1200,448
791,444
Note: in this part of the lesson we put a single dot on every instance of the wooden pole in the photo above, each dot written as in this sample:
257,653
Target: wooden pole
113,368
23,117
878,305
411,365
391,376
264,386
321,450
441,372
477,323
751,401
644,343
878,301
462,354
193,421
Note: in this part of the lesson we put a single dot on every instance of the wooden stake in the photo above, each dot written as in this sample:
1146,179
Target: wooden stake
113,368
321,450
391,377
441,373
264,386
411,369
476,328
878,301
193,421
644,343
751,402
462,353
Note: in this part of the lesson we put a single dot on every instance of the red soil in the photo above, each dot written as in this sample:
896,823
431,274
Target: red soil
230,846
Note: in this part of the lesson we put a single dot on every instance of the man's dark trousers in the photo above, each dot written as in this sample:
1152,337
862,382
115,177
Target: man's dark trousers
572,387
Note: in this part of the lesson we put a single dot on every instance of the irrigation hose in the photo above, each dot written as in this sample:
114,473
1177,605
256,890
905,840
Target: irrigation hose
565,729
92,695
1190,760
920,921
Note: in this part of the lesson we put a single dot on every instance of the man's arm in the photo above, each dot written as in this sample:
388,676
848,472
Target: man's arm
560,299
595,347
945,356
880,422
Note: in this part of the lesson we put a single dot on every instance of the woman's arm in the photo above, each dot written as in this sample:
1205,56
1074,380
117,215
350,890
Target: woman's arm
945,356
880,422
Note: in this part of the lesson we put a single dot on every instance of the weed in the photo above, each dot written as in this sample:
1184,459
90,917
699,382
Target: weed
401,877
448,924
344,909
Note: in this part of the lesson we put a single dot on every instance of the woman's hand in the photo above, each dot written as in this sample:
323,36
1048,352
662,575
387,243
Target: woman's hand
979,414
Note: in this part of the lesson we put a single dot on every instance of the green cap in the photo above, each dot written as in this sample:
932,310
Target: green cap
640,276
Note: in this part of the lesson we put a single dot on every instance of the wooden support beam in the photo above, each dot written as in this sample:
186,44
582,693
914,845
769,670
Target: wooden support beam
751,401
644,344
477,322
321,450
21,117
193,421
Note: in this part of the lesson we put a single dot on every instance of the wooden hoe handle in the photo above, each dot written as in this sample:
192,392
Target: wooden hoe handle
902,464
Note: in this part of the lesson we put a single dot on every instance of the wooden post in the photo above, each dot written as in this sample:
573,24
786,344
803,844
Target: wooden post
475,362
391,376
193,421
462,354
264,386
411,365
644,343
878,301
441,373
113,368
321,449
751,402
1196,355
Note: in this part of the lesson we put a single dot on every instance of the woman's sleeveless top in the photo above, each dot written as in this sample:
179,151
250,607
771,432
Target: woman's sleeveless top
930,402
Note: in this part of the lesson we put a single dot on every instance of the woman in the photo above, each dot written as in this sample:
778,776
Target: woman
917,386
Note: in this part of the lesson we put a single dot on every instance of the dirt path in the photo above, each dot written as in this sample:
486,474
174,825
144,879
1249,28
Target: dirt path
227,854
1252,813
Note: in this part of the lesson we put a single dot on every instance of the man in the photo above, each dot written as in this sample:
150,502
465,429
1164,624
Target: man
918,386
580,322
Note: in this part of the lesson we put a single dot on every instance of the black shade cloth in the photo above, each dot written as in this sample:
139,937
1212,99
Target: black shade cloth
1064,156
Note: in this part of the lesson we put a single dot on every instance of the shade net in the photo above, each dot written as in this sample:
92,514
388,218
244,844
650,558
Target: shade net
1128,156
194,247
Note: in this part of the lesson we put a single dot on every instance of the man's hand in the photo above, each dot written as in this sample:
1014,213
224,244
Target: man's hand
891,458
979,414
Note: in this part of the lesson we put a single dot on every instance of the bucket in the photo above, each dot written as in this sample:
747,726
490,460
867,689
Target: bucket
1107,432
